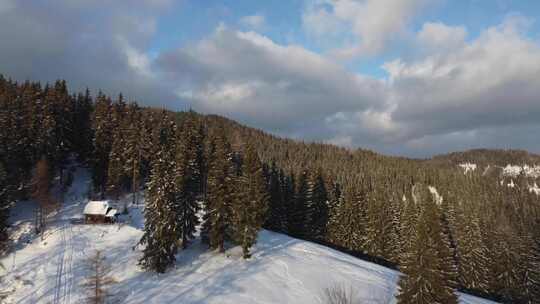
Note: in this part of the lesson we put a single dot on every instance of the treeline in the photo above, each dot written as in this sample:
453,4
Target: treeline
444,230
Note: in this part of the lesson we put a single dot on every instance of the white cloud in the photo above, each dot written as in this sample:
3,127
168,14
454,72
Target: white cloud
371,23
491,81
438,37
253,21
250,77
473,87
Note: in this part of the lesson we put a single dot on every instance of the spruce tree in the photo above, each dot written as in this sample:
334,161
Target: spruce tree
251,205
318,205
299,214
219,198
115,174
276,210
5,203
188,171
472,253
102,142
162,227
426,278
133,148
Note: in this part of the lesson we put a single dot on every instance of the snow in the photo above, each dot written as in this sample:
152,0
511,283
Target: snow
511,170
511,184
96,207
528,171
533,171
534,189
438,198
282,269
111,213
468,167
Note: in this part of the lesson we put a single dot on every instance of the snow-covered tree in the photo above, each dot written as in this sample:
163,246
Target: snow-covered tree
163,229
427,277
251,204
219,198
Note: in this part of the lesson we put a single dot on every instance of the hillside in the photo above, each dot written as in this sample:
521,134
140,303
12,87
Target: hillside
282,269
458,214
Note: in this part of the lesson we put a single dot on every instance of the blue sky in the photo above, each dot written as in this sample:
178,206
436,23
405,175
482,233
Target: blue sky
189,21
403,77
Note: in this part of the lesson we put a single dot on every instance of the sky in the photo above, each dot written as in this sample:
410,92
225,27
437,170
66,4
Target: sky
401,77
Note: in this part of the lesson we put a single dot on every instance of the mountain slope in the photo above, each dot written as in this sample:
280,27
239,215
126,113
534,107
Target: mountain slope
282,270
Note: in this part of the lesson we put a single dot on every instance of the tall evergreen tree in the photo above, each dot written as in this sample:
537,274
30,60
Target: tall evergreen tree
133,148
220,192
102,142
188,171
5,204
299,214
276,205
318,205
250,207
115,174
162,228
426,278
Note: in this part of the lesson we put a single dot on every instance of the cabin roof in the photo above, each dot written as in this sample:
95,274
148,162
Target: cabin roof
97,208
111,213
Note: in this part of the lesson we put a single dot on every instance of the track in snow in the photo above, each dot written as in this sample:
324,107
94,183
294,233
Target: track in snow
64,268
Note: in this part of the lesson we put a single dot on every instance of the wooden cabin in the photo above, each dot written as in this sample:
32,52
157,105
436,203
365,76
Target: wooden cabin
96,212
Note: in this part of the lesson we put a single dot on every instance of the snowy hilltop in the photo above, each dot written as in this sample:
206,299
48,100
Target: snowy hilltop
282,269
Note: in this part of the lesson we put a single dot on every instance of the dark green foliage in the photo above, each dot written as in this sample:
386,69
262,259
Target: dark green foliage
299,216
426,272
102,123
220,188
115,174
277,190
317,206
249,209
5,202
188,170
163,230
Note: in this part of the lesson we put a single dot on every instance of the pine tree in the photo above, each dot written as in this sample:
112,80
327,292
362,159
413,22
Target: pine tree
102,142
348,223
299,214
82,133
426,278
5,204
162,228
188,171
276,210
133,148
318,206
472,253
530,267
115,174
220,192
250,207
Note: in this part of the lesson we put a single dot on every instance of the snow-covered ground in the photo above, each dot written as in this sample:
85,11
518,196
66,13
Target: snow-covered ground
282,269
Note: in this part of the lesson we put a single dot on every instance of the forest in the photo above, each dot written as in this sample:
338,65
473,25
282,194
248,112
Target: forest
442,228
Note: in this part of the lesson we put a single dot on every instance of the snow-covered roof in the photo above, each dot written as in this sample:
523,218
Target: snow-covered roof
111,213
97,208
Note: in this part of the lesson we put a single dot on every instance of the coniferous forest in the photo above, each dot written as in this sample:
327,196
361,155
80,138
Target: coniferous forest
443,229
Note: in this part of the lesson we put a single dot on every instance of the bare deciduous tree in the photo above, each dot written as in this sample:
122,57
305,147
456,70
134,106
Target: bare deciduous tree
41,184
98,280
